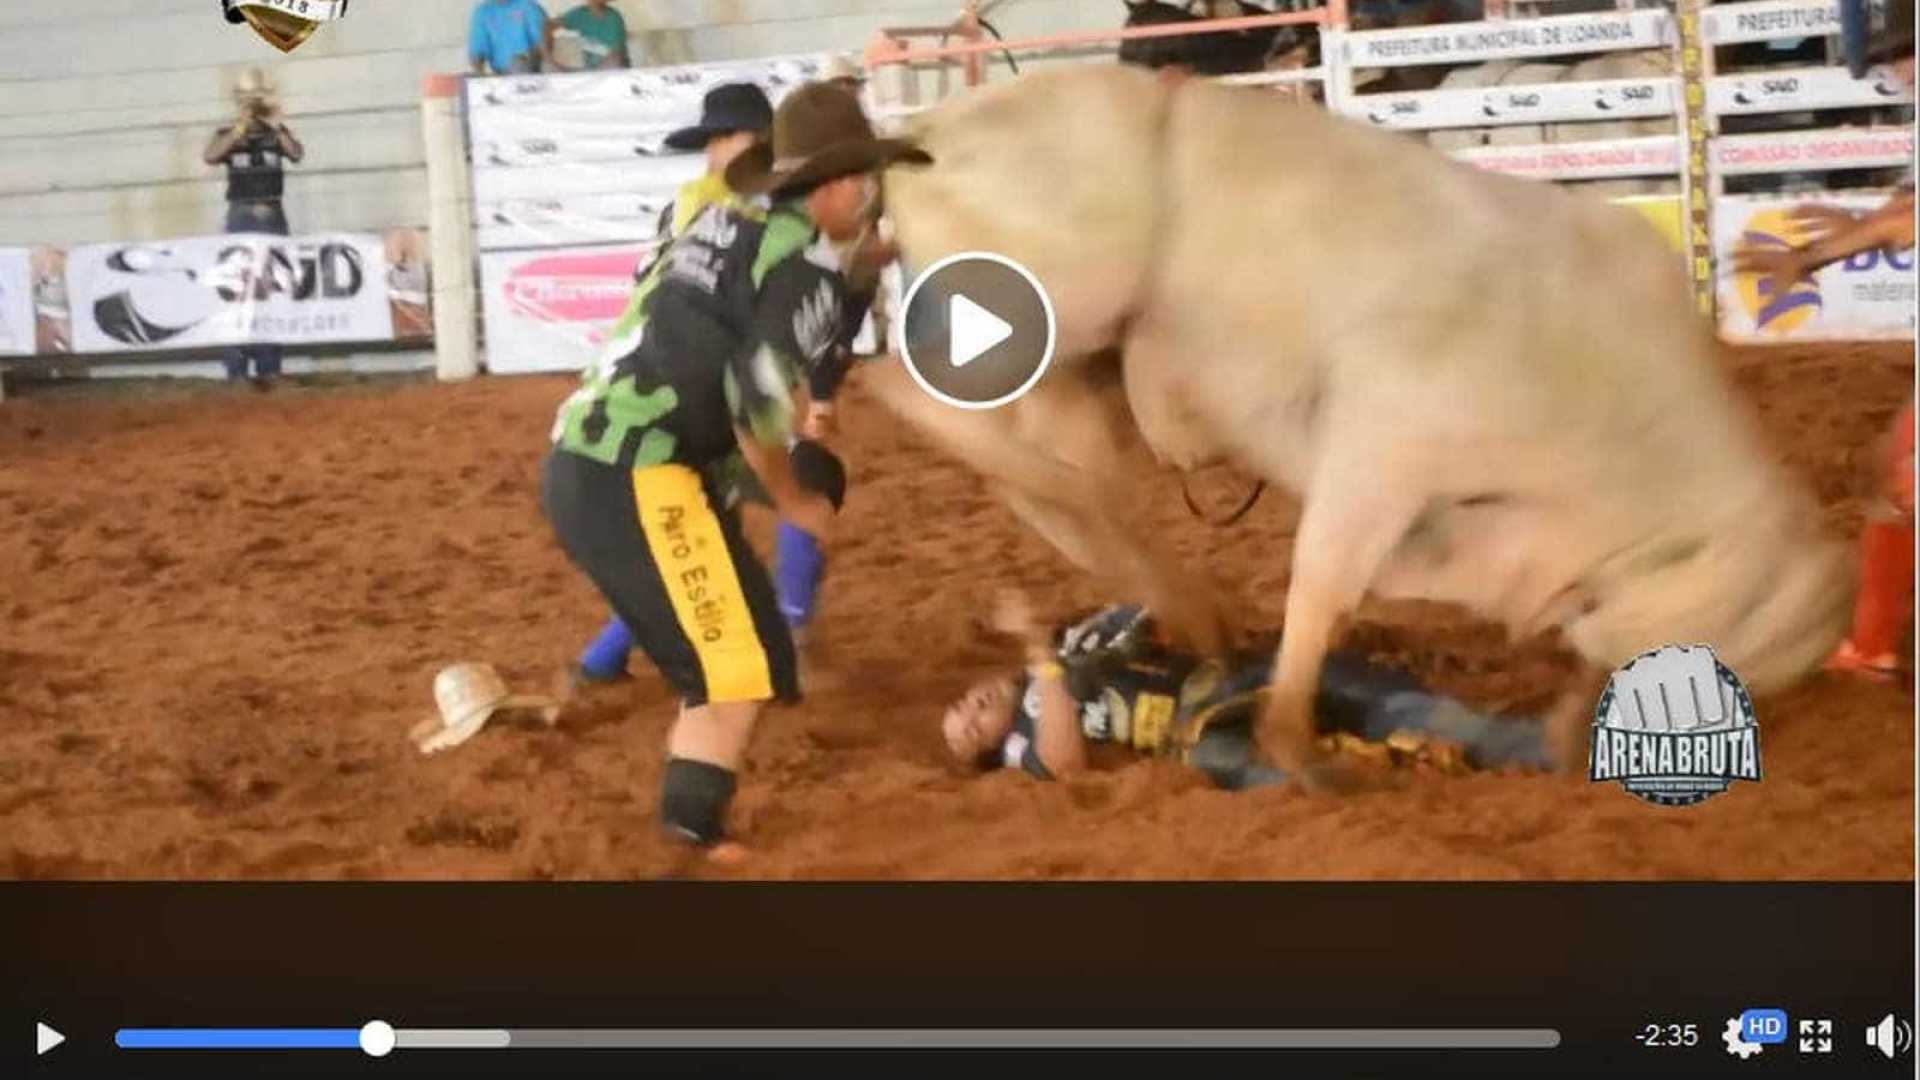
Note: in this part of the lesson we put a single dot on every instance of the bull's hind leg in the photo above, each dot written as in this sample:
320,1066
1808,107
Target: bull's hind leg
1184,604
1348,527
1073,488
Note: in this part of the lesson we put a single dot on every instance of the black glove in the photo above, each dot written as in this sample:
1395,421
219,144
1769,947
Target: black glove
816,469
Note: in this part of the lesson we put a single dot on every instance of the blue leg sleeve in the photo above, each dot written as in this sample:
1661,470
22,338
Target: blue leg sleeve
606,658
798,564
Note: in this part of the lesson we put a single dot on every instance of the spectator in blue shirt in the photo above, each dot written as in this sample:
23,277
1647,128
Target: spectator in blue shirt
507,37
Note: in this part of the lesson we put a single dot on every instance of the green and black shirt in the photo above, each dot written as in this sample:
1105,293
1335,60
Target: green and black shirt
736,310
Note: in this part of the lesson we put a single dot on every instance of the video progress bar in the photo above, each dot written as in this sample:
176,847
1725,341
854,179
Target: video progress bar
380,1038
1037,1039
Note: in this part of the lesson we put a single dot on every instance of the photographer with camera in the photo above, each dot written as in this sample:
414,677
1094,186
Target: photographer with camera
255,149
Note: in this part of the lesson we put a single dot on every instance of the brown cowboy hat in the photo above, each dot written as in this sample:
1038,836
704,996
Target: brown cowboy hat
820,133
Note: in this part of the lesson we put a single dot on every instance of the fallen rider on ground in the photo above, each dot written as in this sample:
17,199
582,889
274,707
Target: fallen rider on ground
1105,679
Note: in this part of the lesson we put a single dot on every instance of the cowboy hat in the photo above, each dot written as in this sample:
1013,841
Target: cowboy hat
841,69
726,109
252,85
467,696
819,134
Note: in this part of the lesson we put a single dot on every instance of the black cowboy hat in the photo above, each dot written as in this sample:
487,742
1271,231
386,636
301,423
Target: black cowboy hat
725,110
819,134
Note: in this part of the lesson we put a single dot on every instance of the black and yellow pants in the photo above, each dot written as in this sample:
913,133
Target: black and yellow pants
1372,702
678,572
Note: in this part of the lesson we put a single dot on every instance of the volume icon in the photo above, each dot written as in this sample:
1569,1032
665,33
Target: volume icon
1890,1036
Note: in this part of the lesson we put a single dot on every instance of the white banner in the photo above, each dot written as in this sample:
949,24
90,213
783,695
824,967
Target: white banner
1645,155
570,174
1865,298
229,290
1469,43
1799,89
658,177
550,310
654,96
1543,103
613,119
573,158
567,220
1820,150
16,302
1766,20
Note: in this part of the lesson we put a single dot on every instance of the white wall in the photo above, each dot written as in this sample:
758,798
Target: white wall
106,105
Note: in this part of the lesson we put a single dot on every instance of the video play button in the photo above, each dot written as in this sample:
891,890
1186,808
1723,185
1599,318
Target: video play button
45,1039
977,330
974,330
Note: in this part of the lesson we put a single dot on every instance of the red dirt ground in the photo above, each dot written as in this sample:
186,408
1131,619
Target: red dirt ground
222,612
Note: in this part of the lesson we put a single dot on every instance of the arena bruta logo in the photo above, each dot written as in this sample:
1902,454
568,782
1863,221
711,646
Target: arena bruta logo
283,23
1674,727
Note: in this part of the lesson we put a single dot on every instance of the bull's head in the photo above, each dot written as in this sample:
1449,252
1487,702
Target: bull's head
1761,585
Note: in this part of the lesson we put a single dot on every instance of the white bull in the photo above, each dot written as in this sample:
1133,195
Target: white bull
1484,390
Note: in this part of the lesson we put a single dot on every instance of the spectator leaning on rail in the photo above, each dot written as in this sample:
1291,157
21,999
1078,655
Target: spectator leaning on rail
602,33
255,148
507,37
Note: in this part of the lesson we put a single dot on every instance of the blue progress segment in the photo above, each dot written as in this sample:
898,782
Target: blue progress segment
237,1039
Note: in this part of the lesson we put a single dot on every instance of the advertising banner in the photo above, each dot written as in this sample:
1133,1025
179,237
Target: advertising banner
1869,297
570,175
16,302
550,310
207,291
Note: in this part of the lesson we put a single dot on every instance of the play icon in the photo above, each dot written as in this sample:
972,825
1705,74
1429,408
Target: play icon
977,330
45,1039
974,330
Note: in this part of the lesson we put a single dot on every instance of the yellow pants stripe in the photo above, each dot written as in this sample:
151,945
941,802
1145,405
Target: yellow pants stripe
683,533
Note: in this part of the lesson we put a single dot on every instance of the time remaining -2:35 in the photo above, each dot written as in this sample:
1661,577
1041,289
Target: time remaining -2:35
1663,1036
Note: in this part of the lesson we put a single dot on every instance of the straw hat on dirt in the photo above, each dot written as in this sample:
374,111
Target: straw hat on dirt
468,695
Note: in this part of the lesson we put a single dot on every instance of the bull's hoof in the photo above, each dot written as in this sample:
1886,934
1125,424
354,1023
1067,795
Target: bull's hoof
1314,768
1333,777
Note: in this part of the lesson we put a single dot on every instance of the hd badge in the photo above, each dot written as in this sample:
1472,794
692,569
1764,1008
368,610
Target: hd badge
283,23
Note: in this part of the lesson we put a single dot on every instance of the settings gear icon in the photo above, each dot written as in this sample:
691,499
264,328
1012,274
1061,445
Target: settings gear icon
1736,1045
